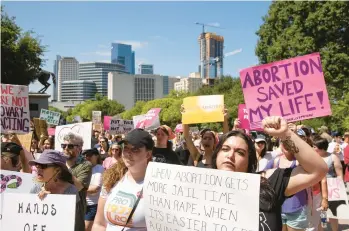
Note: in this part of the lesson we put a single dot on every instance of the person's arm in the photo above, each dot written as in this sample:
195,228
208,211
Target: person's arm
226,121
194,153
99,223
324,194
82,179
337,166
346,155
312,168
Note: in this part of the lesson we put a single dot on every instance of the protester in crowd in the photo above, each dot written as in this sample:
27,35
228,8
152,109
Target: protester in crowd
116,139
163,152
346,139
183,152
114,156
137,152
334,170
263,155
80,168
94,189
103,147
236,152
324,133
54,178
34,148
47,143
337,146
12,157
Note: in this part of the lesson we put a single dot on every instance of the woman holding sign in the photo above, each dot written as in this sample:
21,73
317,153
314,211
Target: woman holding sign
236,152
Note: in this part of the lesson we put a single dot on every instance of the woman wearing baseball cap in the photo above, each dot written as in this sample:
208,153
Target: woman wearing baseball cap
53,177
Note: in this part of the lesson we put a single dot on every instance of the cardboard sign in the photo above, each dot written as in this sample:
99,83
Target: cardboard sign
82,129
119,126
203,109
148,121
15,117
40,127
14,182
336,189
293,88
55,212
51,117
180,198
26,140
96,117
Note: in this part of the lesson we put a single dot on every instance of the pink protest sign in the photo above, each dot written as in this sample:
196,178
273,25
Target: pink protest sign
15,116
179,128
106,122
293,88
243,117
150,120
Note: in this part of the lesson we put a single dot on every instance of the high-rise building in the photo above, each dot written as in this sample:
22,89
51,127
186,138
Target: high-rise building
123,54
145,69
55,71
68,69
98,73
211,57
78,90
171,83
128,89
188,84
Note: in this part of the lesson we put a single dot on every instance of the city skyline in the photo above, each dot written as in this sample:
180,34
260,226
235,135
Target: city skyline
163,35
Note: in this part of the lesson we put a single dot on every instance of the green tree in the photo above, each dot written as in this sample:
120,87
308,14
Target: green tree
20,53
297,28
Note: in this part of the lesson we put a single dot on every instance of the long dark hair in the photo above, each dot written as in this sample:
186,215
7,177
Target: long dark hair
64,175
267,197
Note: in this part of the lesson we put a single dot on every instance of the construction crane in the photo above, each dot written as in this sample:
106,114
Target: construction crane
209,25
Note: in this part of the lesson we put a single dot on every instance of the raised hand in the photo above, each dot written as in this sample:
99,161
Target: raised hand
275,126
43,193
225,112
182,110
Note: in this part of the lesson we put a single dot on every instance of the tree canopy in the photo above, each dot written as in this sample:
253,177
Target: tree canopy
20,53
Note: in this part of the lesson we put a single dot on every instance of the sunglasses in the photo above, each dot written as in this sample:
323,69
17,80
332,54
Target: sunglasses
43,166
70,146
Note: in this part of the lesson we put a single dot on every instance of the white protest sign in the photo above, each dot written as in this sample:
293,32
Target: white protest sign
96,117
54,213
51,117
119,126
15,182
15,115
189,198
336,189
83,129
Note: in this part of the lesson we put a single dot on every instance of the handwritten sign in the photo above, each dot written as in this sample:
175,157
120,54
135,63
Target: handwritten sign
82,129
96,117
150,120
293,88
336,189
14,182
14,109
119,126
51,117
26,140
188,198
243,117
55,213
203,109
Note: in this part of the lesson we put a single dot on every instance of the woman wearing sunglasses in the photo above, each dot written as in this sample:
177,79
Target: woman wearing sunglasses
53,177
114,156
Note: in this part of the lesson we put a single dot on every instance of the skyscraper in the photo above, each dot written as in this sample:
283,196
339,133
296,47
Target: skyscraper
68,69
55,71
145,69
123,54
211,57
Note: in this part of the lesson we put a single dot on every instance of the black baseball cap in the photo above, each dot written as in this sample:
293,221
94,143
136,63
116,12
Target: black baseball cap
92,151
10,147
139,138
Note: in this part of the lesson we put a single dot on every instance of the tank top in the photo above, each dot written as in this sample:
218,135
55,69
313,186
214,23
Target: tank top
297,201
331,171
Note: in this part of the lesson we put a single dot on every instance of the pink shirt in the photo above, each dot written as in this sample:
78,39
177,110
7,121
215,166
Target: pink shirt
108,162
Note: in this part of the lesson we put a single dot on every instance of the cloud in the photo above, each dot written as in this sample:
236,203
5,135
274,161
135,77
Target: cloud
216,24
135,44
141,61
233,52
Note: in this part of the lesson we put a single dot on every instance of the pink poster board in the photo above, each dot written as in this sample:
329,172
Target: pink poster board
243,117
293,88
151,119
106,122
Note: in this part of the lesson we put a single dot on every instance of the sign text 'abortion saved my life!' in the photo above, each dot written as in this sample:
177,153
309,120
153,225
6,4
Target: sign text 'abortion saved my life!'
294,89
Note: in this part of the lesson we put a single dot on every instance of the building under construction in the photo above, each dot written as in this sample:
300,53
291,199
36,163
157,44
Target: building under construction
211,57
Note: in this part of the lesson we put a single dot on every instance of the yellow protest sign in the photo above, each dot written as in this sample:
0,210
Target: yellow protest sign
203,109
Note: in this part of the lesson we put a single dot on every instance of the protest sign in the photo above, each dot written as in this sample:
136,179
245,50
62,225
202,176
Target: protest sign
55,212
119,126
15,116
180,198
51,117
336,189
25,140
148,121
293,88
203,109
14,182
179,128
82,129
96,117
106,122
243,117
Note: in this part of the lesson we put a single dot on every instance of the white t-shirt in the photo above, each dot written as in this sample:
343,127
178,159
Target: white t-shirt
331,147
119,204
96,180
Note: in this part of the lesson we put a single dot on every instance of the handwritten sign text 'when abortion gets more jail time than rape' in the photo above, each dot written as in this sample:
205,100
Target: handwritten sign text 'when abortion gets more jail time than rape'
14,109
294,89
179,198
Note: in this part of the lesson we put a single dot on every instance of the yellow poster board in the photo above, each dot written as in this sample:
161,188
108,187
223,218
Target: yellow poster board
203,109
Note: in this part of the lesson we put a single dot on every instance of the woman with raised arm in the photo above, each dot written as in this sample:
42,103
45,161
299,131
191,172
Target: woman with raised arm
202,157
236,152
